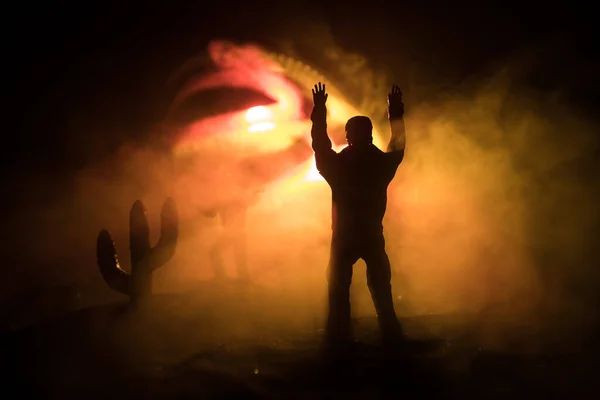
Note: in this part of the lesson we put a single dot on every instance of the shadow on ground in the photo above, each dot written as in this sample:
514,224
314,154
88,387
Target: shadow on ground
193,346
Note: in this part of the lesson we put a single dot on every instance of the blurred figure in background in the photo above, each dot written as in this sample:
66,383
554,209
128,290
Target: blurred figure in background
251,176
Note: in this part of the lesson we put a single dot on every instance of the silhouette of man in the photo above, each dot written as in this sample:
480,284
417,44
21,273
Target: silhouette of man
358,176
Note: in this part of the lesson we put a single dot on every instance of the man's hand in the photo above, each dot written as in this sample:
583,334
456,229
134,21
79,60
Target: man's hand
321,143
395,105
319,95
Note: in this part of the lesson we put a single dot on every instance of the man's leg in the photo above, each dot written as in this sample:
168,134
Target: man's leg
379,281
241,256
216,258
338,330
234,223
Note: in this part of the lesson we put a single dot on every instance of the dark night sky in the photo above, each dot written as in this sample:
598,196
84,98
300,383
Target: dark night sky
112,57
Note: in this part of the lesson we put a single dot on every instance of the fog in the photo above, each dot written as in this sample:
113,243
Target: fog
488,213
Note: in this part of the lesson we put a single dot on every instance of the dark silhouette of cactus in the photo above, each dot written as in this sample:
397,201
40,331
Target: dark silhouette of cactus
144,258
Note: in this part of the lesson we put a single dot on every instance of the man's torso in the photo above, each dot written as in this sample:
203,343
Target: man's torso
359,184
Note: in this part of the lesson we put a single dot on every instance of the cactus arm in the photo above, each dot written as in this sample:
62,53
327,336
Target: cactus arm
169,232
108,261
139,234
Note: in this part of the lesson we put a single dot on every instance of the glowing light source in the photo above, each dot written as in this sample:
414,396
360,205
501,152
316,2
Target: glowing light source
258,114
313,173
272,127
261,127
259,117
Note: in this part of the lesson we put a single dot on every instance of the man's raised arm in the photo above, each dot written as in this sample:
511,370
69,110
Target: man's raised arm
321,143
396,116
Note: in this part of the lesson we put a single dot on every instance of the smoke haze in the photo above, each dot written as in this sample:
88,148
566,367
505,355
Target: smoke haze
489,210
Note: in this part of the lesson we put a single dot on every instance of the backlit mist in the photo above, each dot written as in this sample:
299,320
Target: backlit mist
483,214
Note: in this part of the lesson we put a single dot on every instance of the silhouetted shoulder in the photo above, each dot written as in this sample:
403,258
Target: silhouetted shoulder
380,153
345,151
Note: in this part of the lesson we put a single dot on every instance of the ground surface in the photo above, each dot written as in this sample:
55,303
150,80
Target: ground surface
191,346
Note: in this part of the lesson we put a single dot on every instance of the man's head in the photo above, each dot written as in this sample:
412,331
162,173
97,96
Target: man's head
359,131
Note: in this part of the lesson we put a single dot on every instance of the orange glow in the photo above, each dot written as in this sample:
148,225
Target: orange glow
259,129
313,173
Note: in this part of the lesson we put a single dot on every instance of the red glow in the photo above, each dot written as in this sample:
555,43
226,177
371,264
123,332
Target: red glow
244,67
259,129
